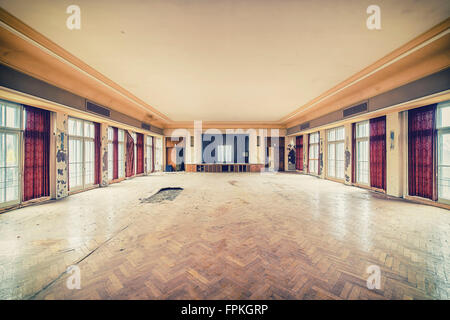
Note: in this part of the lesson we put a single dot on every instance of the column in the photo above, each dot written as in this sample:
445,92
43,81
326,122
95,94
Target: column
62,156
394,154
348,154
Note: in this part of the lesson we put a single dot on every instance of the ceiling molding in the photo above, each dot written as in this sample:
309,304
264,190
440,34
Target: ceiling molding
31,34
434,34
226,125
28,51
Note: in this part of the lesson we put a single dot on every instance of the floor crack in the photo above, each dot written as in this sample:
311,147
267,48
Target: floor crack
76,263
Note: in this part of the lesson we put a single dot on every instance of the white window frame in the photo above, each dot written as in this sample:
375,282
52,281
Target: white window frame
110,153
134,136
84,138
333,141
149,151
359,163
313,147
442,129
158,154
121,153
16,131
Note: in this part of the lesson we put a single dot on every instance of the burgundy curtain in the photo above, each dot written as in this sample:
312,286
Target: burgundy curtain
37,148
116,153
422,152
129,161
299,153
140,153
97,146
354,152
377,142
153,154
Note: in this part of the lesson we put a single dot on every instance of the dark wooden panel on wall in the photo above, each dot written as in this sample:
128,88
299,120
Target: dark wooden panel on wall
16,80
95,108
426,86
359,108
19,81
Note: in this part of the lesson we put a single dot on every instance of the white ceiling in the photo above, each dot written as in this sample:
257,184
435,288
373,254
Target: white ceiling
229,60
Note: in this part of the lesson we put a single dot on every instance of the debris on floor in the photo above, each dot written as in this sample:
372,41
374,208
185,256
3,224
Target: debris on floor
163,194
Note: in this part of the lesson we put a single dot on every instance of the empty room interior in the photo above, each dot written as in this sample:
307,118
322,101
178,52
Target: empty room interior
225,149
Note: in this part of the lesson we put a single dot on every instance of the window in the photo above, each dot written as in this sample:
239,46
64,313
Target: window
110,153
314,153
225,153
11,123
443,135
336,152
133,135
362,152
158,155
149,146
121,153
81,153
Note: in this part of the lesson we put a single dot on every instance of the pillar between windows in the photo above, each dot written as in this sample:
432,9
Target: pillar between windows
61,181
348,154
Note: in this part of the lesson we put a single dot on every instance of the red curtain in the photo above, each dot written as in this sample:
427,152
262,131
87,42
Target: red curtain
129,161
422,152
97,146
299,153
37,148
116,153
377,142
354,152
153,154
140,153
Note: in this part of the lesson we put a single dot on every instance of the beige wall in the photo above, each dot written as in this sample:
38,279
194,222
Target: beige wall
395,155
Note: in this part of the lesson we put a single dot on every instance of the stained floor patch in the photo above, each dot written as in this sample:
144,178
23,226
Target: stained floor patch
163,194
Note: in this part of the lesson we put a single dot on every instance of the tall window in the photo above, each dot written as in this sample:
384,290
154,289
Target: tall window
121,153
336,153
362,152
225,153
133,135
81,153
158,154
313,165
11,124
149,151
443,130
110,153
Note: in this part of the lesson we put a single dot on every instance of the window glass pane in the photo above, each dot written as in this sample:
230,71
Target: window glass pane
75,163
89,160
110,159
12,150
9,167
2,116
121,135
362,129
340,133
72,127
121,160
13,116
443,114
331,135
110,134
79,128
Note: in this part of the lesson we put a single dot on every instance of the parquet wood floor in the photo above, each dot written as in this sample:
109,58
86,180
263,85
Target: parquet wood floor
226,236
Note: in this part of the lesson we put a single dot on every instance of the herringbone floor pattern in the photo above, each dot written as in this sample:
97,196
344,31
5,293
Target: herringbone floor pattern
227,236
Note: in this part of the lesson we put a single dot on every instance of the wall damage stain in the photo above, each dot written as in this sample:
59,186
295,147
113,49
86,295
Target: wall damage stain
61,156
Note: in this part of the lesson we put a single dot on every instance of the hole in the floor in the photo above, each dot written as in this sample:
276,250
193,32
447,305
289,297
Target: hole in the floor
163,194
